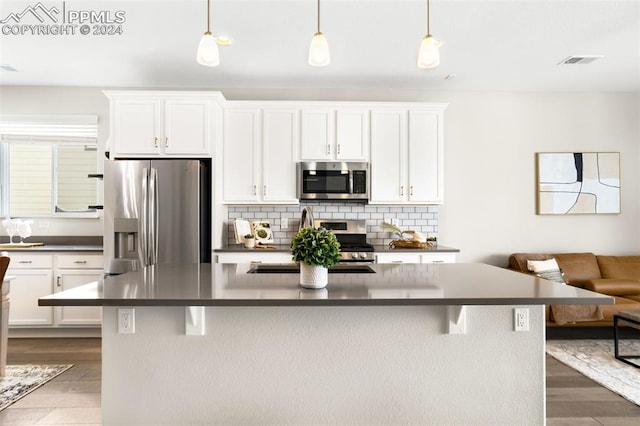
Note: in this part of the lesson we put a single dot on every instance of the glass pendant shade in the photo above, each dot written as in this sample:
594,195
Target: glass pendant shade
429,54
319,51
208,51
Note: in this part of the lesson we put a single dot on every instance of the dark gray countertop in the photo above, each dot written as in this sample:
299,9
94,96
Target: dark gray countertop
403,284
239,248
52,247
74,243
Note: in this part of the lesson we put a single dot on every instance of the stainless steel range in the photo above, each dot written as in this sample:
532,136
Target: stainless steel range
352,235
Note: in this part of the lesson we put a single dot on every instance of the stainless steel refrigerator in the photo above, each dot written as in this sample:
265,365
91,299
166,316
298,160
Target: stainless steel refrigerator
156,211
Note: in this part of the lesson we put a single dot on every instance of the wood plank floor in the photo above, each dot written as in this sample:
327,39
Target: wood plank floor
74,396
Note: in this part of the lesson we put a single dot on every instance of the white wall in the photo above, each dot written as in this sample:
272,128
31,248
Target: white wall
490,143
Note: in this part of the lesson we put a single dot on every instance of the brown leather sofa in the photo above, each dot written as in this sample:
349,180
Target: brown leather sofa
617,276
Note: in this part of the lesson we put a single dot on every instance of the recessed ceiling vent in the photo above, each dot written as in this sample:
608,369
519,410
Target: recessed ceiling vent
580,60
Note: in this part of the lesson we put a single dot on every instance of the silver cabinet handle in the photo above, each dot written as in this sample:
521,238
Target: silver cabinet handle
397,261
58,283
82,262
166,142
338,150
155,142
264,190
255,190
411,190
329,149
25,261
402,190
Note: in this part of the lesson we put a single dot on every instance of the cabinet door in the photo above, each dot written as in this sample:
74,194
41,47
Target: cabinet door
317,138
425,158
77,315
137,127
186,127
388,151
352,134
27,287
240,151
279,142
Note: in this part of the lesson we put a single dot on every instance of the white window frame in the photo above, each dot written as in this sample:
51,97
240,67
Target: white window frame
50,130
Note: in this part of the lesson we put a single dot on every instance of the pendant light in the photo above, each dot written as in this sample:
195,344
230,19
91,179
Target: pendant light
428,54
319,49
208,54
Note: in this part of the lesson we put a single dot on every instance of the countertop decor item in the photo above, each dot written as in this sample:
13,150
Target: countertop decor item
316,249
262,231
249,241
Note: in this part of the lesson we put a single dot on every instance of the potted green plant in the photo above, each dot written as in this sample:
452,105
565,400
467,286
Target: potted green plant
316,249
249,241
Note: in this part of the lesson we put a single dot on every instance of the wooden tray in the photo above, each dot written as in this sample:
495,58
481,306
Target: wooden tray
20,245
410,244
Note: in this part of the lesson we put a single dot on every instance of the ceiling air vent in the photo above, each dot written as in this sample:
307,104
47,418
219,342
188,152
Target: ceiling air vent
581,59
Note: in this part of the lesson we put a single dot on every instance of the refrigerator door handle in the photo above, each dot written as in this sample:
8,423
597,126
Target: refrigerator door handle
145,217
153,215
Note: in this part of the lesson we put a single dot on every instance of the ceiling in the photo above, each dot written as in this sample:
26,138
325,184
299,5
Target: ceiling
506,45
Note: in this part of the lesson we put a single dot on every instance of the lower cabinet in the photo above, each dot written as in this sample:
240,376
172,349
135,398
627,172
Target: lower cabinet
415,257
40,274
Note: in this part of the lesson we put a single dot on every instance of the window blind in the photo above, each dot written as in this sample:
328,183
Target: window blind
49,128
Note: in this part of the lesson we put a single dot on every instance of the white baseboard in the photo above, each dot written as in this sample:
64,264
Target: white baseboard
22,333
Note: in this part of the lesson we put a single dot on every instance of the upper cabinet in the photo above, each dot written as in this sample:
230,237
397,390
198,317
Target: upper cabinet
259,155
334,134
407,155
170,124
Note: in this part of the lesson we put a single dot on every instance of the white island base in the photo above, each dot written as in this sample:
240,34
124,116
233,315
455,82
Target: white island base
324,365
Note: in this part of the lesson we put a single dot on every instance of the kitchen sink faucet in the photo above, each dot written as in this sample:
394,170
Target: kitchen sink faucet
306,220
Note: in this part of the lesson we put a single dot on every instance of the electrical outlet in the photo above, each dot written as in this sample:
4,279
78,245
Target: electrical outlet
521,319
126,321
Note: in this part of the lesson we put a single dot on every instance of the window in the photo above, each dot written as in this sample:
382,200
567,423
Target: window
44,165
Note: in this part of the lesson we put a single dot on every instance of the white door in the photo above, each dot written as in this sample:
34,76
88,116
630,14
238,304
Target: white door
352,134
279,141
388,162
240,151
317,134
27,287
77,315
187,127
424,155
137,127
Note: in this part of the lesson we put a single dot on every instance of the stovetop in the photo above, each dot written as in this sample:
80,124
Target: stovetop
352,235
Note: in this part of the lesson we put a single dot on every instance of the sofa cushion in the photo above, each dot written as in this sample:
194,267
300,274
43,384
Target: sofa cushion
626,267
518,261
614,286
578,268
542,265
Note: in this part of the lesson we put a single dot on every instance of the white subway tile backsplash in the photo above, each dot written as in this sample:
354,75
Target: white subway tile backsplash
418,218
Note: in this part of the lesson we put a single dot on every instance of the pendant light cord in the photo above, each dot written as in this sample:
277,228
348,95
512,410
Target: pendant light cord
428,31
208,16
318,16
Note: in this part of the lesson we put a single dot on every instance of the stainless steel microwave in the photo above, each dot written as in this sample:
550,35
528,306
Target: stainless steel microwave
333,180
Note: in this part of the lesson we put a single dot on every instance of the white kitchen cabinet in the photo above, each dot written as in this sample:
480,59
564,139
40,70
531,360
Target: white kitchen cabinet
334,134
405,257
74,270
254,257
317,138
407,155
33,279
352,134
259,152
170,124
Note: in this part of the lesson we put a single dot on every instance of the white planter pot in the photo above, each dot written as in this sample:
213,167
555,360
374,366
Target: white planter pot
313,276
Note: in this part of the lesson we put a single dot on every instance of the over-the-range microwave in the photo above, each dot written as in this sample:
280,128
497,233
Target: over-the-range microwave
333,180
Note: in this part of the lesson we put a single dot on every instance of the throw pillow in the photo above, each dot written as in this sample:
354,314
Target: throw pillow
547,269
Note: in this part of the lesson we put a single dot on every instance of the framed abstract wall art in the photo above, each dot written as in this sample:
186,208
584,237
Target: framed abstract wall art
578,182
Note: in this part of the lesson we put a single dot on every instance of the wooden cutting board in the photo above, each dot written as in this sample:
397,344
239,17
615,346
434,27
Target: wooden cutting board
20,245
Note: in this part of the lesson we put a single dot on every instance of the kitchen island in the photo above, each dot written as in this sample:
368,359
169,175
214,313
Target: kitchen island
422,344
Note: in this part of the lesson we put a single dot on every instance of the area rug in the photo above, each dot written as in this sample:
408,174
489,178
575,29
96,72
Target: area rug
594,359
20,380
